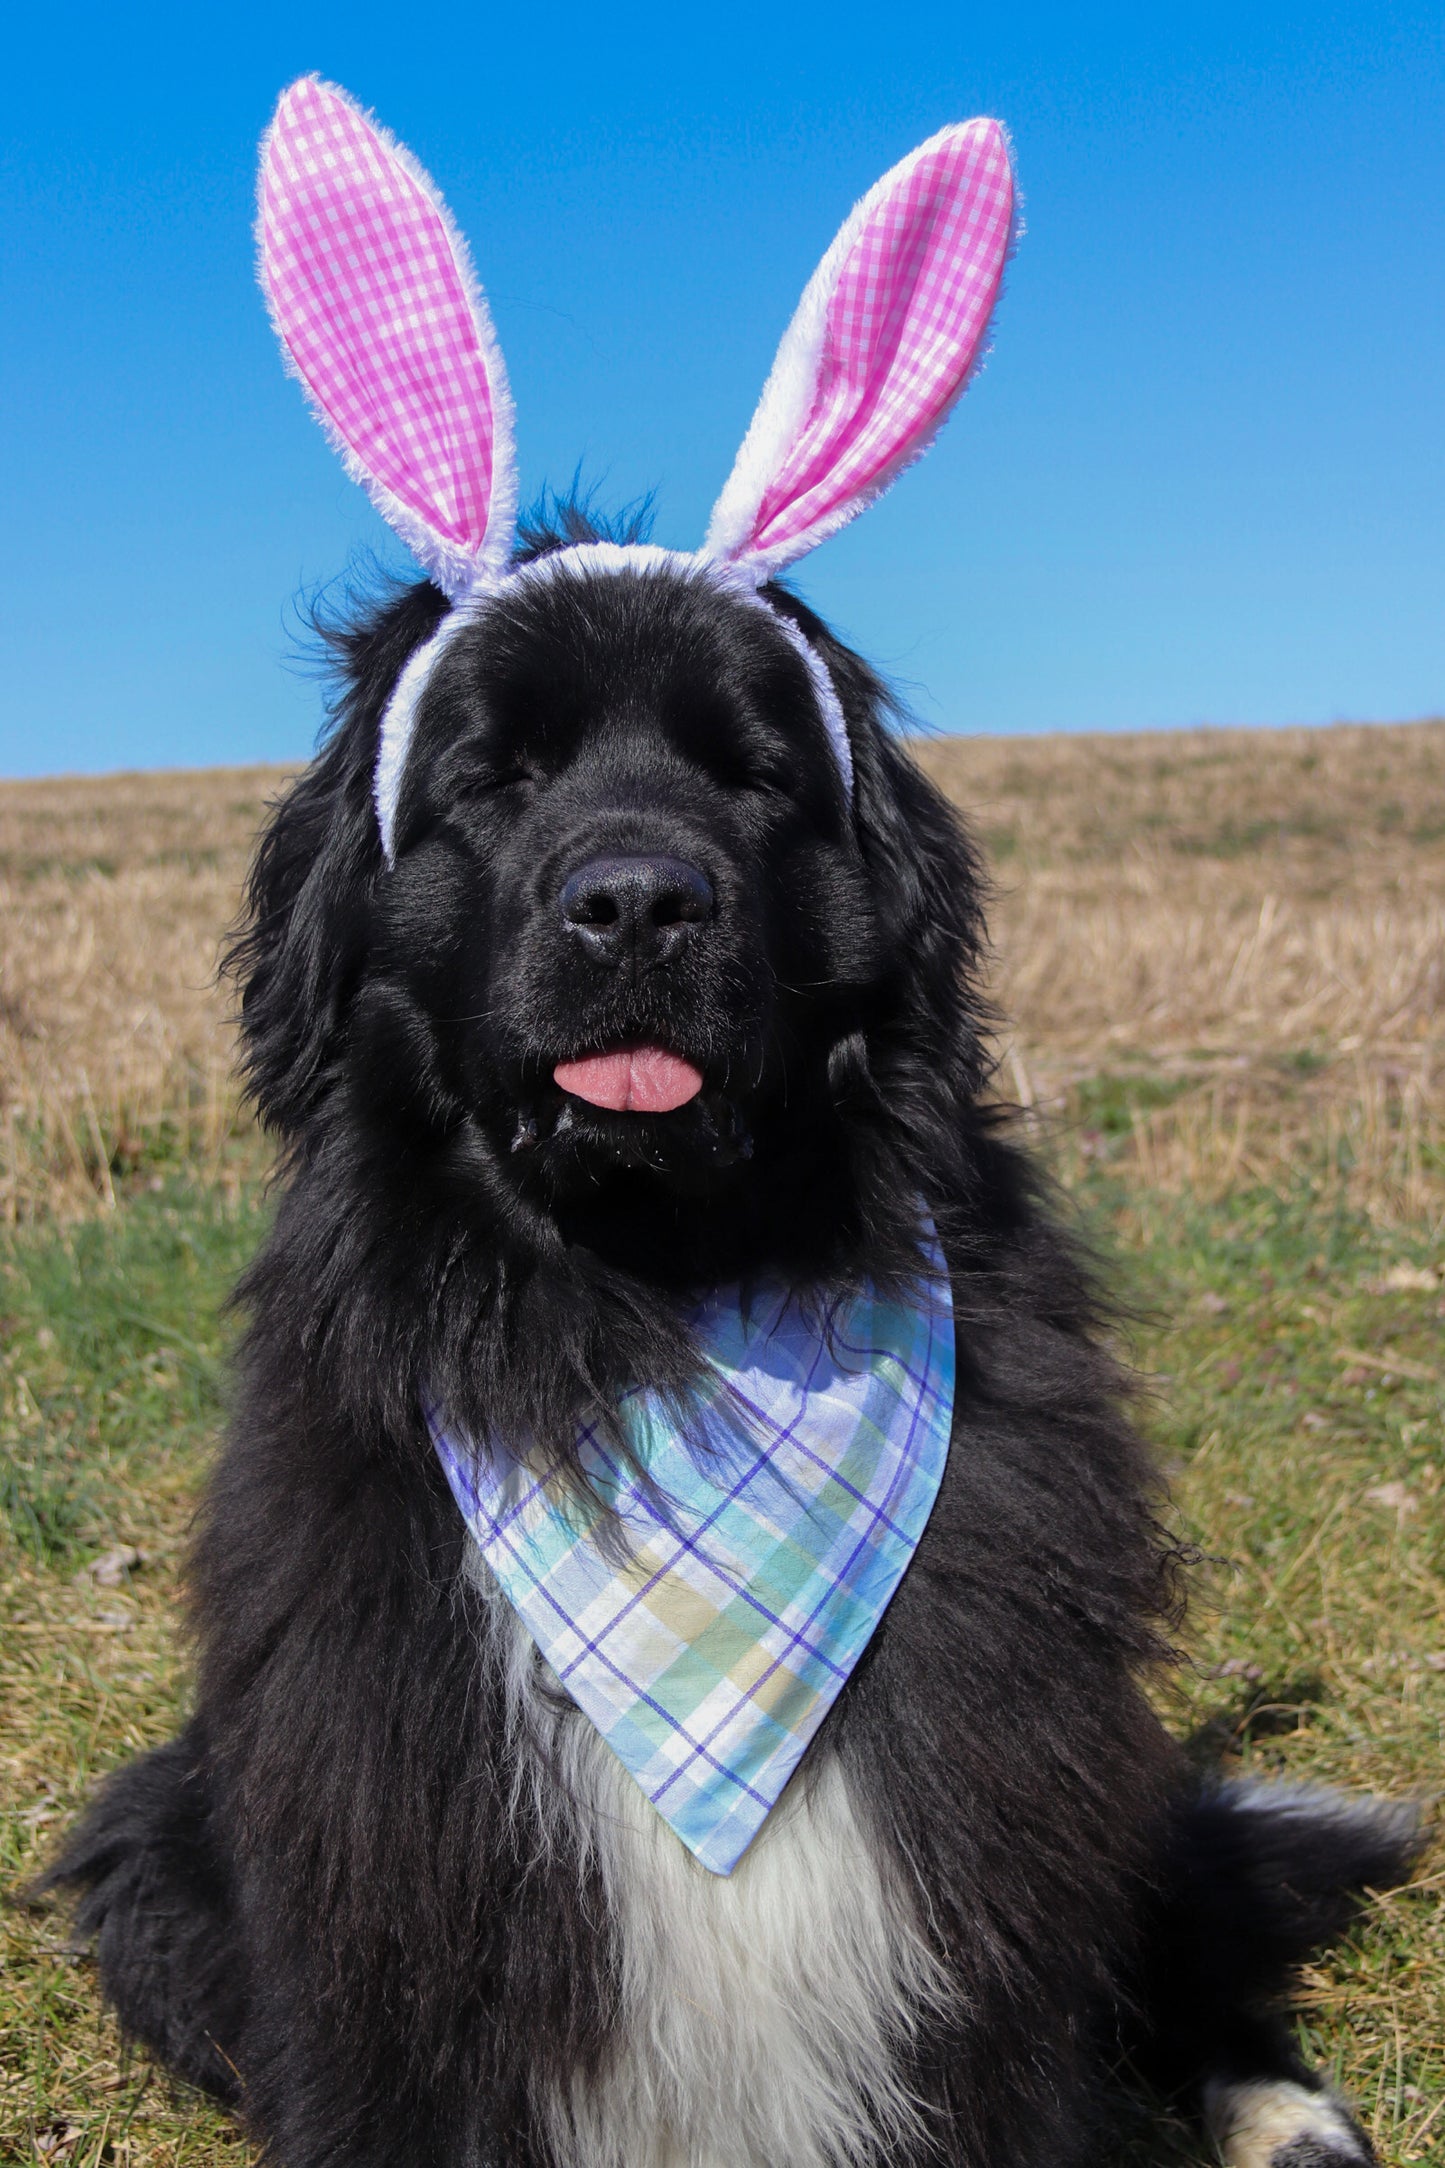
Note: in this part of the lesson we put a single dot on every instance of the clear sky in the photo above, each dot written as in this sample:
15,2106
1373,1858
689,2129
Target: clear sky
1201,479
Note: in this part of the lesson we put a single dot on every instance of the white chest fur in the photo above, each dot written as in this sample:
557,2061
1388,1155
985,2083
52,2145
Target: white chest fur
762,2014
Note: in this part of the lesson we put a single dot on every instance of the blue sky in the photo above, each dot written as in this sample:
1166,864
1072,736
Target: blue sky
1201,479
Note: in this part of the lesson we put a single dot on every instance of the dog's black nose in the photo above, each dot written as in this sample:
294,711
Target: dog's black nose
646,907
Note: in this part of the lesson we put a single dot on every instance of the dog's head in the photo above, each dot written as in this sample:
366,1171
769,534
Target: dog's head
623,830
641,960
611,924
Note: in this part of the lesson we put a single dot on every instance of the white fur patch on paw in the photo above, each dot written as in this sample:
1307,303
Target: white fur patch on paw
1275,2124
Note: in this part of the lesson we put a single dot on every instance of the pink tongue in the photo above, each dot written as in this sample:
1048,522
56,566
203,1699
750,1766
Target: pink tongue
636,1080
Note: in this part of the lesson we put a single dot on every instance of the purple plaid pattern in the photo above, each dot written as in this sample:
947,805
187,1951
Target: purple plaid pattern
373,298
905,325
708,1631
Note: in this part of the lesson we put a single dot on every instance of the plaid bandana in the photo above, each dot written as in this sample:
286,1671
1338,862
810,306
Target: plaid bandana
708,1644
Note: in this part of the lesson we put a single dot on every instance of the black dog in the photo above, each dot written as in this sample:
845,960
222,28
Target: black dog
612,952
379,1893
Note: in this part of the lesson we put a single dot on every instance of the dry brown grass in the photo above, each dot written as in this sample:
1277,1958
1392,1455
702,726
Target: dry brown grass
115,1051
1251,922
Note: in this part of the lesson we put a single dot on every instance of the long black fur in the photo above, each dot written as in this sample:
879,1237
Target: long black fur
319,1902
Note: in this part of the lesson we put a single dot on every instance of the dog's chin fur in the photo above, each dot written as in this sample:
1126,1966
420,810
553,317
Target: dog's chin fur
389,1892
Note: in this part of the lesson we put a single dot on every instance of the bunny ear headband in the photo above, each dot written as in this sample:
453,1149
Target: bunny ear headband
374,298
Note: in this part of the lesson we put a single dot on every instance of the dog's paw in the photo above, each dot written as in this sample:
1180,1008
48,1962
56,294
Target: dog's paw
1324,2153
1273,2123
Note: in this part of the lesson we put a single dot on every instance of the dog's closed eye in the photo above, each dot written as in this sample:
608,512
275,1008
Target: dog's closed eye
489,782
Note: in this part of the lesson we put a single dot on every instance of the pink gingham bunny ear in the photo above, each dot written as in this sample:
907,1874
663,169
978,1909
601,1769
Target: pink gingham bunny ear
885,338
374,299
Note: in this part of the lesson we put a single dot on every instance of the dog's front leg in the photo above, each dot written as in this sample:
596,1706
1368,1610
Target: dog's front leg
313,2107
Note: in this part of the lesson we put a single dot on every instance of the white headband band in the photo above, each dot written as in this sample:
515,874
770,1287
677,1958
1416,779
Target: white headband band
398,723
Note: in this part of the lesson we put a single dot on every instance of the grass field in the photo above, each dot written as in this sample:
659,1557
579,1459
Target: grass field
1224,955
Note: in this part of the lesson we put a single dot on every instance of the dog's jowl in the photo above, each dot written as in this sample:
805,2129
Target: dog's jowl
676,1603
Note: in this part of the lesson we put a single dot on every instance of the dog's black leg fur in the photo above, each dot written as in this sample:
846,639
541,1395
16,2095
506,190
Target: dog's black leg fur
156,1902
1257,1879
162,1913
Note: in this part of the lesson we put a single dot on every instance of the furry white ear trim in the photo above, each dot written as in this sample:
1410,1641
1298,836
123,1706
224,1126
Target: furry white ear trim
889,330
377,308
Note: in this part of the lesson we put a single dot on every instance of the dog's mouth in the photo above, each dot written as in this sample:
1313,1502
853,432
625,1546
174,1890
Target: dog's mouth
642,1079
637,1106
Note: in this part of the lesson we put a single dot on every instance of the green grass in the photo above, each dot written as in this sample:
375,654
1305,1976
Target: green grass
1297,1378
1295,1355
1107,1106
111,1389
113,1357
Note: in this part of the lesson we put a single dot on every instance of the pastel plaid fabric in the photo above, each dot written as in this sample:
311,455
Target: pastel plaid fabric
904,326
708,1645
374,301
